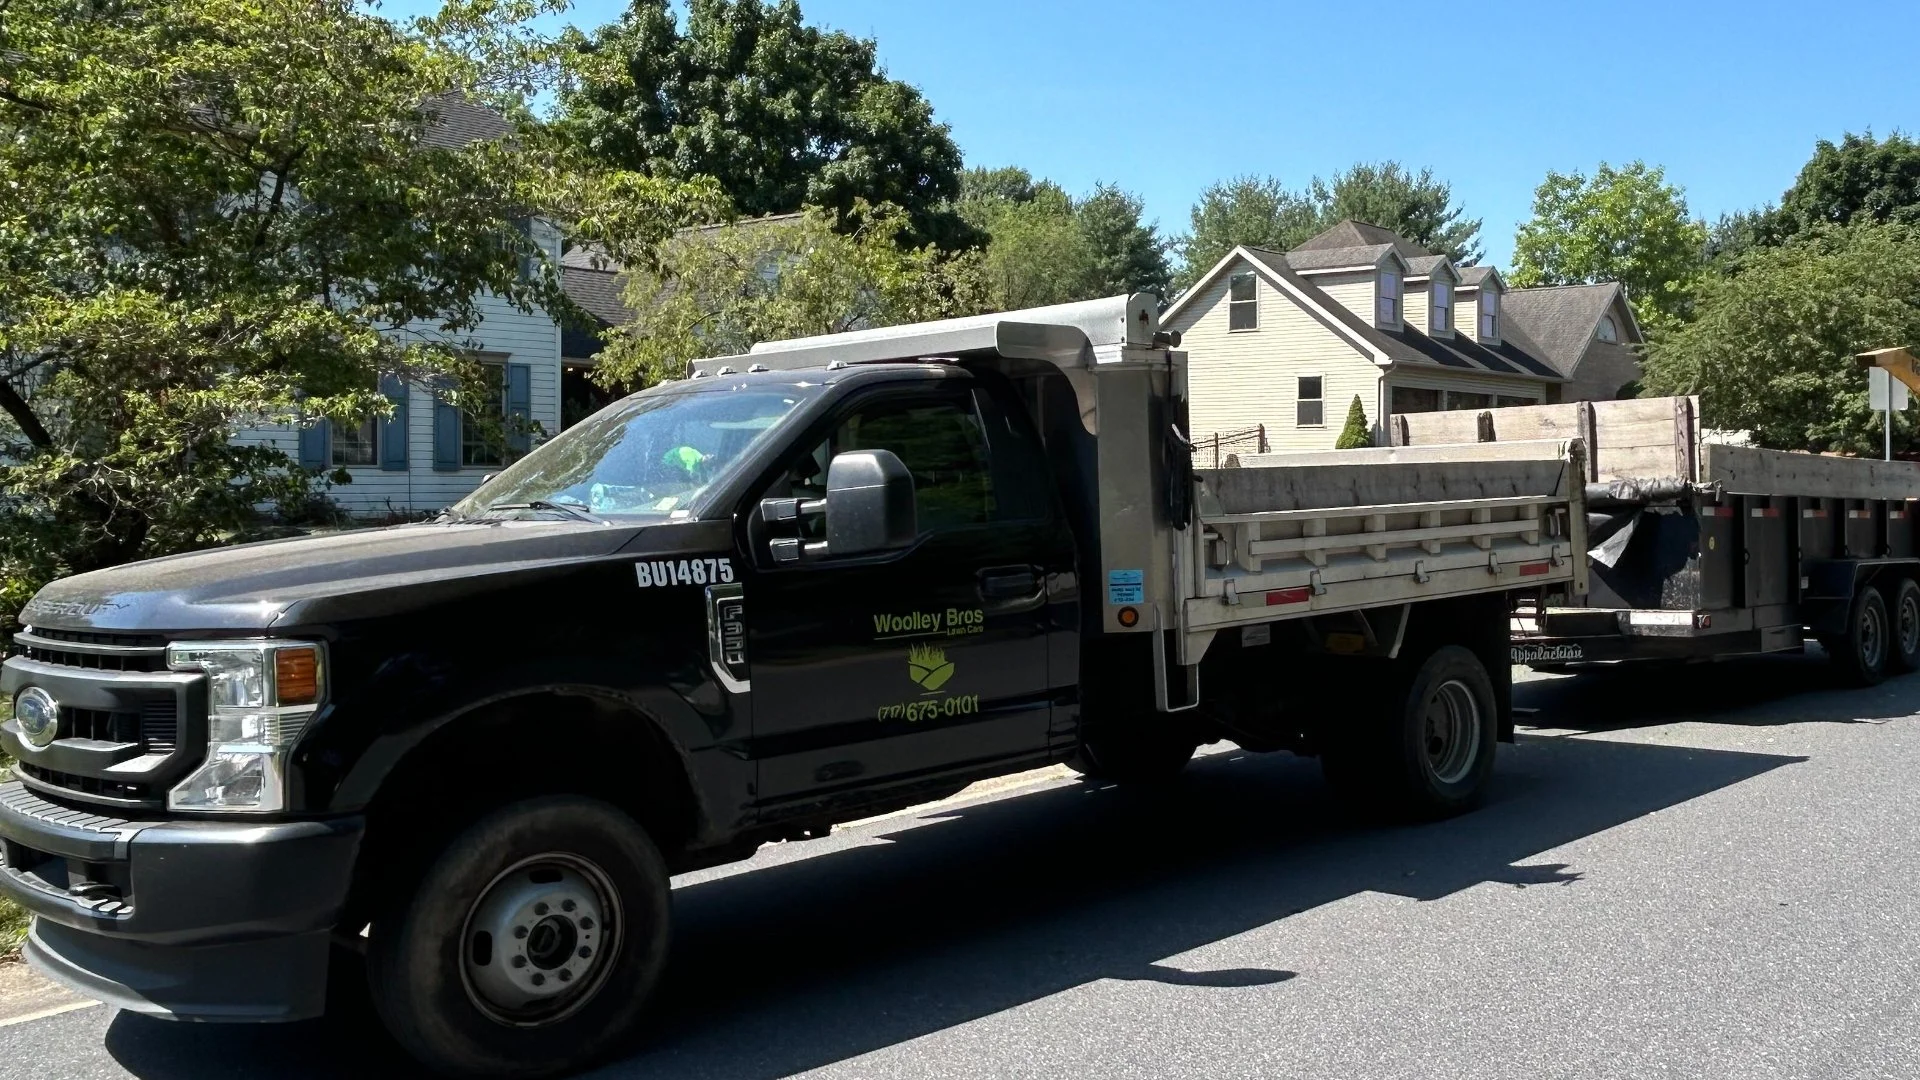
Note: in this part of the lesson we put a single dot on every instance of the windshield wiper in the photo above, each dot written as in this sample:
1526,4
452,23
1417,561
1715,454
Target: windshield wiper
573,509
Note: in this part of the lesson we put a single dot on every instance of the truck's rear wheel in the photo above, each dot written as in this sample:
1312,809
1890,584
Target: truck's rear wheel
528,946
1426,750
1134,751
1906,627
1861,656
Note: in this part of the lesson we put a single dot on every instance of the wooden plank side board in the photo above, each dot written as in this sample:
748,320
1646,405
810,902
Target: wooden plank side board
1637,437
1748,470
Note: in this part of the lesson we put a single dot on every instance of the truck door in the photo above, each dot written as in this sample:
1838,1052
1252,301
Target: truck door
884,668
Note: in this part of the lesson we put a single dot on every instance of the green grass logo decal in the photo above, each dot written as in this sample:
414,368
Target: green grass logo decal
928,665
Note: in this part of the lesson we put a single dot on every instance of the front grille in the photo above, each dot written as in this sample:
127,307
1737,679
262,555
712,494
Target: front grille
89,785
94,651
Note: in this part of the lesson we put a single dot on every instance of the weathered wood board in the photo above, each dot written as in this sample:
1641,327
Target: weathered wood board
1390,476
1638,437
1747,470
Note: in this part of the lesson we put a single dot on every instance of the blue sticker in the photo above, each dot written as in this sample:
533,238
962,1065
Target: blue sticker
1126,586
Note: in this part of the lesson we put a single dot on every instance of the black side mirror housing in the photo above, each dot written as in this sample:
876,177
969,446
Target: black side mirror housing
869,504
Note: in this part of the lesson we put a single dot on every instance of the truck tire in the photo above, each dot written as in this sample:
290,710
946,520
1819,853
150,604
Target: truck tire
1425,749
1139,751
529,944
1905,619
1861,655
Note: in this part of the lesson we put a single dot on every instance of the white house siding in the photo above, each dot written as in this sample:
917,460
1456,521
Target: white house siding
1413,307
1355,292
1466,312
1529,389
504,334
1240,379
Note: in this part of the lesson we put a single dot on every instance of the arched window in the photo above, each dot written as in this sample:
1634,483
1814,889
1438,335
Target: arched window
1608,331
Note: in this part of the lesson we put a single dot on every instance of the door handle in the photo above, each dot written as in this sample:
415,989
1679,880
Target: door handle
1008,583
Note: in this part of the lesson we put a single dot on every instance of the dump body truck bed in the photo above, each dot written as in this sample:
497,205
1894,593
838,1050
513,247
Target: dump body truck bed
1296,534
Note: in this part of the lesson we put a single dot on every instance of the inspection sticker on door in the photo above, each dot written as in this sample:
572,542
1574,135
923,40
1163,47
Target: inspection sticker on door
660,573
1126,586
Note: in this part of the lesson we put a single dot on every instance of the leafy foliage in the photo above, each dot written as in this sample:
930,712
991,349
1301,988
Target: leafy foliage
1356,433
1770,348
782,114
719,291
1627,225
1043,247
1863,179
1416,206
1262,212
228,213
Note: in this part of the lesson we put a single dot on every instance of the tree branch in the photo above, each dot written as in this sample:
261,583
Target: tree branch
23,415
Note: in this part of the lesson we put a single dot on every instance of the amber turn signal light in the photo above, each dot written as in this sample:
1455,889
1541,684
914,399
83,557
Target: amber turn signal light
1129,616
296,675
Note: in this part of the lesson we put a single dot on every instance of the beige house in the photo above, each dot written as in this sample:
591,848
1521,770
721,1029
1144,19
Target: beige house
1280,343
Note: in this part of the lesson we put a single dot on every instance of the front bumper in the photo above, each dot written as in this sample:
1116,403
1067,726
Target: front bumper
194,920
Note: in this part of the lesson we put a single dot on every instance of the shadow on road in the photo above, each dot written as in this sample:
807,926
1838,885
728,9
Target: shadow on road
1754,692
971,910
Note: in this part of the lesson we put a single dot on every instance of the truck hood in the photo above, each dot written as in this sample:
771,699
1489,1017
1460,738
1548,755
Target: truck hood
311,579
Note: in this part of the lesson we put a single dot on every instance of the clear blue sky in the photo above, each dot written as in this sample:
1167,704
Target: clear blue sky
1166,98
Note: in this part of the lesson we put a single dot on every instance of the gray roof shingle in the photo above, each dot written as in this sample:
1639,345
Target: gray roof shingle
1559,320
1350,233
455,120
1474,275
598,292
1329,258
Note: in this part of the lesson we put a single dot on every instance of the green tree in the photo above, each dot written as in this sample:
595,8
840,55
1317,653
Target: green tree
718,292
1415,205
1255,211
224,213
1125,254
1044,247
1627,225
1770,349
1356,433
782,114
1861,179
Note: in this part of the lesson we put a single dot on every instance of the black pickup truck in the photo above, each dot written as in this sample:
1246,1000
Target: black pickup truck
733,609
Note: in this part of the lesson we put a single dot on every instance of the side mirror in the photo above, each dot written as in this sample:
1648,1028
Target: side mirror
869,503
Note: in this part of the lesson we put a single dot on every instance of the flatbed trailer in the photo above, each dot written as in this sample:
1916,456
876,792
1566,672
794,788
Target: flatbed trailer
1733,551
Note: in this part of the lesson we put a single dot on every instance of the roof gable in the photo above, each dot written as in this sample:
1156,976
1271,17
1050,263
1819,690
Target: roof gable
1335,258
1562,319
1349,233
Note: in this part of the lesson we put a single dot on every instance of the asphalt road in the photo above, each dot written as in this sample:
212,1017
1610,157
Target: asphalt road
1708,876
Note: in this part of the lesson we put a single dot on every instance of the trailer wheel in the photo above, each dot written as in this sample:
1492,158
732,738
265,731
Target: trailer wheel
1427,750
1133,751
1906,627
529,945
1861,656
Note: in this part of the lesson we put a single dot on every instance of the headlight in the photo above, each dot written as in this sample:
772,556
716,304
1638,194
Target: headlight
260,695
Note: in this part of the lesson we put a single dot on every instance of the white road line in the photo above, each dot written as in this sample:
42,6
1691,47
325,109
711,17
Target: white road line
52,1010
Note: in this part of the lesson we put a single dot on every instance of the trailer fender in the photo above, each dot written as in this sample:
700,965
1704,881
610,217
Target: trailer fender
1826,602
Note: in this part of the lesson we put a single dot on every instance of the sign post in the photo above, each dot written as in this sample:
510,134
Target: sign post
1889,395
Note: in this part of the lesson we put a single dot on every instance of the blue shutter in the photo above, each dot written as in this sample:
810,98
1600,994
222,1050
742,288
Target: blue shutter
393,431
316,444
519,409
446,435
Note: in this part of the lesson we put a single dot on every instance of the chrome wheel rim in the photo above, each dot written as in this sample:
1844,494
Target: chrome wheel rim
1873,636
1450,724
540,940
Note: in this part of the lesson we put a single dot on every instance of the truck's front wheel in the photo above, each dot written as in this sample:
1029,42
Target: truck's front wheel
528,946
1427,749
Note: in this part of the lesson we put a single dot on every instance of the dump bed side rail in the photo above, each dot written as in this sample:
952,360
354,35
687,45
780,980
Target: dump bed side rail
1289,536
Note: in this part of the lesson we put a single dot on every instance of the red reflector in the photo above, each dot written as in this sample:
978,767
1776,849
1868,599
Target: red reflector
1716,511
1813,513
1766,511
1297,595
1532,569
1859,513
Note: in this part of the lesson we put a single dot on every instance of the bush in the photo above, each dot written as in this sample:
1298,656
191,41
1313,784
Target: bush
1357,433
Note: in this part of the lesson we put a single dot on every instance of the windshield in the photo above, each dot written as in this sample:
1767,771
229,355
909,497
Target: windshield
648,456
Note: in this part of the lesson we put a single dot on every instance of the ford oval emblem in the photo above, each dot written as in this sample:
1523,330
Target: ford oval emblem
38,715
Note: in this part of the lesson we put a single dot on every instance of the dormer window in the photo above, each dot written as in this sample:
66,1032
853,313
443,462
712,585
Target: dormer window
1489,314
1440,313
1243,303
1387,311
1608,331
